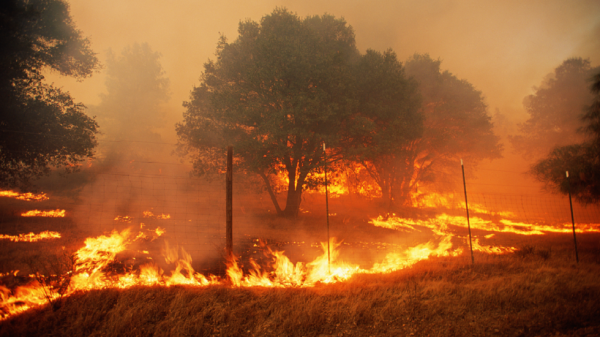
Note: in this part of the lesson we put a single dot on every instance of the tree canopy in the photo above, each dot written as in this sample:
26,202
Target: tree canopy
555,109
581,160
42,127
286,85
456,125
387,120
277,93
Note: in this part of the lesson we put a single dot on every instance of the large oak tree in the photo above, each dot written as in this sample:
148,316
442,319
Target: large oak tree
276,93
41,126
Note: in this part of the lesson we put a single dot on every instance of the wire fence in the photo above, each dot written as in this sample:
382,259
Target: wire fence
192,211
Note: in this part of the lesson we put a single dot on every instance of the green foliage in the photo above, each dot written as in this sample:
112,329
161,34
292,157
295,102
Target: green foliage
41,125
581,160
276,94
555,109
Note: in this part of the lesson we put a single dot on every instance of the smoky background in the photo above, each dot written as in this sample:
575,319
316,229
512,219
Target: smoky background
503,47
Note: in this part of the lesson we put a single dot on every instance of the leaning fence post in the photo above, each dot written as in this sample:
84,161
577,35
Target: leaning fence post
327,210
572,217
467,207
229,203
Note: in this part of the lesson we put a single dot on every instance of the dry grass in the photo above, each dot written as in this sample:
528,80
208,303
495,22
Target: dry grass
538,291
528,294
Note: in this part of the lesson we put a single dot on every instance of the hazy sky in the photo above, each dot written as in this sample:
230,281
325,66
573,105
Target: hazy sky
503,47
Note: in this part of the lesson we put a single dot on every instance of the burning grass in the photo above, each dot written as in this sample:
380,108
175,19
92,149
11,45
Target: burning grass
31,237
514,294
24,196
59,213
115,285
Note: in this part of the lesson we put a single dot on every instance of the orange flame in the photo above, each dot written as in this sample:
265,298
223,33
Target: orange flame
338,184
149,214
24,196
506,226
59,213
31,237
400,260
93,268
122,218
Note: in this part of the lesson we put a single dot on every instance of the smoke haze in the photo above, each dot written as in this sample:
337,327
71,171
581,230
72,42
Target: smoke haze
504,48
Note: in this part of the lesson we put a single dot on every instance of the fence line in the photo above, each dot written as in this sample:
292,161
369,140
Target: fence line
196,210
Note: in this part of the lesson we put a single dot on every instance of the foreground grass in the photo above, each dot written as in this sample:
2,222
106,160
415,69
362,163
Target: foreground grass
526,294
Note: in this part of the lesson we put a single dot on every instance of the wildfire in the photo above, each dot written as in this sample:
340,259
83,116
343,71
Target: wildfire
404,259
24,196
148,214
121,218
31,237
491,249
338,184
441,222
435,200
59,213
94,268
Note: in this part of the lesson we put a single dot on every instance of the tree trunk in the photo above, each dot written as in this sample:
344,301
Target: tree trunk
292,205
271,193
294,197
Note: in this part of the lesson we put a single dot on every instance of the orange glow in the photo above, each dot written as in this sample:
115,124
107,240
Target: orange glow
404,259
24,196
491,249
125,218
59,213
94,261
148,214
440,222
436,200
31,237
337,185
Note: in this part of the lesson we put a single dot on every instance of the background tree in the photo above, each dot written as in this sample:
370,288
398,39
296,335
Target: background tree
133,106
42,127
456,125
581,160
276,94
387,122
555,109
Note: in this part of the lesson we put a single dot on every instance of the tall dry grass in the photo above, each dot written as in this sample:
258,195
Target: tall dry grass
536,292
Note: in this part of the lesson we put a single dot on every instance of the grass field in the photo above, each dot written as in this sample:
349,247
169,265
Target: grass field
537,291
526,294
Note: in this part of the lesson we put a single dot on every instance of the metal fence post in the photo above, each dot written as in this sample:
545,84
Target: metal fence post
467,207
572,217
229,202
